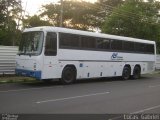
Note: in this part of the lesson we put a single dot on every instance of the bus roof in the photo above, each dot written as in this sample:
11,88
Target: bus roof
87,33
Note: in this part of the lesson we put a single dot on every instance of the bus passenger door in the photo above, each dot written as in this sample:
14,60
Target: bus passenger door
50,56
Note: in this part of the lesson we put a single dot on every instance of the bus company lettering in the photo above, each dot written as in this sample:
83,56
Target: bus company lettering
115,56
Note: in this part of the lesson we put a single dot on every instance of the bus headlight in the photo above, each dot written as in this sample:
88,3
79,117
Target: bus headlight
34,66
17,64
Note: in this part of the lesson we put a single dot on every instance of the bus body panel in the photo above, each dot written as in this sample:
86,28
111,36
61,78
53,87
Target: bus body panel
51,67
97,62
30,66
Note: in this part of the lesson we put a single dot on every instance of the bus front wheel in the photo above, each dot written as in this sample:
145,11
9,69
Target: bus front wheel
68,75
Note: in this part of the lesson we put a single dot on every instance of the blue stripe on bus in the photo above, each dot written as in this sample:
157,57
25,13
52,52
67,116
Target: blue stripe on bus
29,73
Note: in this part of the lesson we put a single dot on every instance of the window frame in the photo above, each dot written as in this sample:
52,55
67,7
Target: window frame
23,42
110,48
55,54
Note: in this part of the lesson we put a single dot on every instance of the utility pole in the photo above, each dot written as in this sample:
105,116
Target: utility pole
61,14
8,26
20,18
24,10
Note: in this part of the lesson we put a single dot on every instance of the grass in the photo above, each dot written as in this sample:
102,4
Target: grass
154,74
16,79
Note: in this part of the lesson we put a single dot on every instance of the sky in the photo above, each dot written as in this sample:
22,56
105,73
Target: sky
32,6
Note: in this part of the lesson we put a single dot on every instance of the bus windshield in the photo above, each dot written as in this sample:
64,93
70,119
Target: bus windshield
31,43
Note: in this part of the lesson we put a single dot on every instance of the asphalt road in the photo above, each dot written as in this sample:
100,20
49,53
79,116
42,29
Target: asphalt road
87,96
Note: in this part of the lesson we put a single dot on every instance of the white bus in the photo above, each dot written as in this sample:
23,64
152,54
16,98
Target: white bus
67,54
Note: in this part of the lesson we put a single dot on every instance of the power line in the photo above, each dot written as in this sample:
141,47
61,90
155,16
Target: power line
122,13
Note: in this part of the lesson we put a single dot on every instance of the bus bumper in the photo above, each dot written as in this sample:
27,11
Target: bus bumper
29,73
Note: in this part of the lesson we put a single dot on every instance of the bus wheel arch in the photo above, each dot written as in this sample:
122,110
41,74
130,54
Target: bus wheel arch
69,74
137,71
126,73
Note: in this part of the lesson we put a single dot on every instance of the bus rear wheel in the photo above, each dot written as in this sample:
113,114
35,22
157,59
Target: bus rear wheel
136,72
68,75
126,73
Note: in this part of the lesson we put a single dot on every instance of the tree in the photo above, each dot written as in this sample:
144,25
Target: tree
35,21
107,6
135,18
10,12
104,8
76,14
79,14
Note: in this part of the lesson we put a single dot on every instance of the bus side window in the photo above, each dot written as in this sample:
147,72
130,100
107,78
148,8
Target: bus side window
128,46
103,43
150,48
116,45
88,42
51,44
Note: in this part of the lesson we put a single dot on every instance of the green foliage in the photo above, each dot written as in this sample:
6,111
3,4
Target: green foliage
35,21
135,18
76,14
10,12
79,14
132,18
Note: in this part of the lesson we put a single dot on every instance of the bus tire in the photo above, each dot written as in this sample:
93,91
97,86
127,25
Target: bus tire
68,75
126,73
136,72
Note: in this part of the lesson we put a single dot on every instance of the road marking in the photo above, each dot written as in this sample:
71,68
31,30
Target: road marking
152,86
18,90
147,109
74,97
